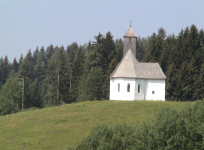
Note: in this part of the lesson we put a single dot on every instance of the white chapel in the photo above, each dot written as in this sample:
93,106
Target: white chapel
132,80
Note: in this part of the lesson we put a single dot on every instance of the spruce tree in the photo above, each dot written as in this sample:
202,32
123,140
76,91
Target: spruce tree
26,73
155,46
62,76
10,97
71,76
49,52
119,49
5,70
78,71
152,52
95,80
1,71
110,57
35,54
139,52
15,65
50,85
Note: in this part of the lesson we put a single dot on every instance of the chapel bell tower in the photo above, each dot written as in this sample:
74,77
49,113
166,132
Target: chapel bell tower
129,42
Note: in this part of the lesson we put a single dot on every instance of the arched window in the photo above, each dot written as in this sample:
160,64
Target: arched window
128,87
118,87
138,88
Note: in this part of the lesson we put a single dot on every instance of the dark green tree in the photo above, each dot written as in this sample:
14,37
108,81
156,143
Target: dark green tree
95,81
49,51
119,49
15,65
35,54
10,97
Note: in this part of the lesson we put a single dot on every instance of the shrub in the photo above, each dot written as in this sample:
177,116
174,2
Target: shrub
103,137
169,129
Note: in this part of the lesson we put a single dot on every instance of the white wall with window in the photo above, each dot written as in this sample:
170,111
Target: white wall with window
137,89
155,90
119,88
140,89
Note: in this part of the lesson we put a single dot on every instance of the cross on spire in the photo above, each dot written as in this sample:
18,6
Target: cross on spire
130,23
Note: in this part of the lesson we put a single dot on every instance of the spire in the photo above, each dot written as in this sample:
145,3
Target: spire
130,33
130,40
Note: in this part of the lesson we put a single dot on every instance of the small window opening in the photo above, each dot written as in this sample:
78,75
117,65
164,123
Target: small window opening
138,88
118,87
129,40
153,92
128,87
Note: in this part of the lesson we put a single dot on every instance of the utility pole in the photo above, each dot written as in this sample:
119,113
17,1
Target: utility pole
70,82
58,88
22,98
23,93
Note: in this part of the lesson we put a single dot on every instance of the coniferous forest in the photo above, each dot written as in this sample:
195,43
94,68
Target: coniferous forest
55,75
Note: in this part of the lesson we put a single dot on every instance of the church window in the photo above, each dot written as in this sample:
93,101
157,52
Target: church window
118,87
128,87
153,92
138,88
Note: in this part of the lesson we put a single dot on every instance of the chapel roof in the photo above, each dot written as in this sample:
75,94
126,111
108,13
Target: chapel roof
129,67
152,71
130,33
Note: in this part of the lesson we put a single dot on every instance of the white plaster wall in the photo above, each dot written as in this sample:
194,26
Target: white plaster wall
155,85
141,95
146,88
123,94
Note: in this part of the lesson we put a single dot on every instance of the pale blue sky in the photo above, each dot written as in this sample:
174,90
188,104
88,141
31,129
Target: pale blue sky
26,24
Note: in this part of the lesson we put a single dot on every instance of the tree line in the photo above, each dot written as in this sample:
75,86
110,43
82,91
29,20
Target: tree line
57,75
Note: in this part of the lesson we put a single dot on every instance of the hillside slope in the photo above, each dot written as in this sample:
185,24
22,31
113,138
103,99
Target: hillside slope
65,126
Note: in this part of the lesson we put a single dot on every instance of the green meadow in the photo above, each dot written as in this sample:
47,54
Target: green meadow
64,127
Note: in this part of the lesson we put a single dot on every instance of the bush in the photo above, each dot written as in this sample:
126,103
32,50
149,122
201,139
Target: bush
103,137
7,106
169,129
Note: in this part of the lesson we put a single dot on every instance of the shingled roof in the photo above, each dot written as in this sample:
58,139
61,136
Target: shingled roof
152,71
130,33
129,67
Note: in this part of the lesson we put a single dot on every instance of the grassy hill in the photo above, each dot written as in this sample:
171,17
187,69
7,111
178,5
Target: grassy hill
65,126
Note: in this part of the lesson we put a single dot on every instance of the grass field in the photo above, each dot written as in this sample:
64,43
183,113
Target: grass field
65,126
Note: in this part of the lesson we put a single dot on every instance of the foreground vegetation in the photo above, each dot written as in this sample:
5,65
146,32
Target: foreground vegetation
66,126
169,130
